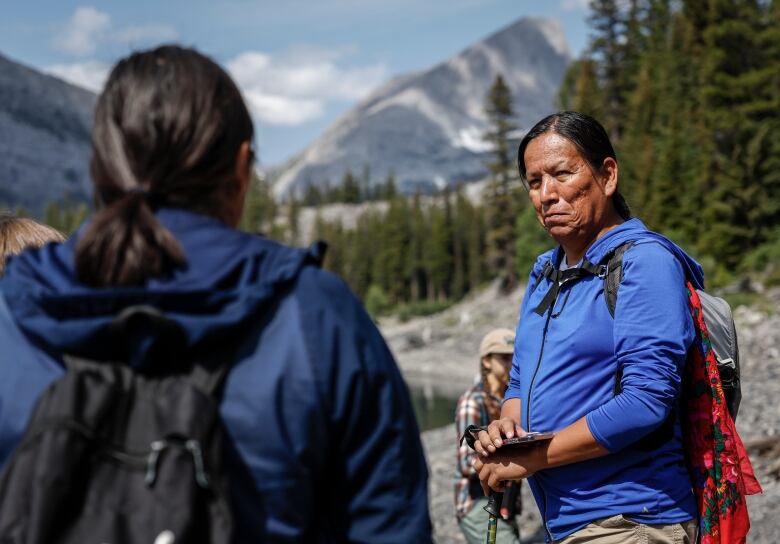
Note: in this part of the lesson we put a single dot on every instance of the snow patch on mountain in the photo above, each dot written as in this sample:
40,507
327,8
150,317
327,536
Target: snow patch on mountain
427,128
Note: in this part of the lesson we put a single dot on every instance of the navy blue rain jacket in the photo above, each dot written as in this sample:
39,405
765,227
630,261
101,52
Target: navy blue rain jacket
314,403
565,367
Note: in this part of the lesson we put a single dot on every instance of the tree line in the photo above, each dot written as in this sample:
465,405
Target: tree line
419,253
689,92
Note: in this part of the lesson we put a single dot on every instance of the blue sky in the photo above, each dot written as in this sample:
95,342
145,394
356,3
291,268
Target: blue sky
300,63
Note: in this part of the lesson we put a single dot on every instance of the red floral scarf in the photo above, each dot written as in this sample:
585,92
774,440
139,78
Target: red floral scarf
720,469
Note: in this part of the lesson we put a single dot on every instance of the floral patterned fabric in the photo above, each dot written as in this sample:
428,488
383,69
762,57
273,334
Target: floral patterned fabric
721,471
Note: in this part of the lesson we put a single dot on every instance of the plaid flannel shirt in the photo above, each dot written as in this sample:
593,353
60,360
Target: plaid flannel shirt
471,410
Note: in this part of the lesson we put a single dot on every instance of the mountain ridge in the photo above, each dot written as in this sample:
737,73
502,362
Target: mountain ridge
426,127
45,126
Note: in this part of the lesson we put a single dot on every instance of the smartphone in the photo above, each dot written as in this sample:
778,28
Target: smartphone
529,439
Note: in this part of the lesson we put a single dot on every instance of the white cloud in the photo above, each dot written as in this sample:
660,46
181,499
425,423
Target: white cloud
575,5
283,110
88,29
150,33
90,75
294,87
82,32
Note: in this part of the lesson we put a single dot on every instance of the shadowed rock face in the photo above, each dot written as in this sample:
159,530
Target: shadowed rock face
427,127
45,127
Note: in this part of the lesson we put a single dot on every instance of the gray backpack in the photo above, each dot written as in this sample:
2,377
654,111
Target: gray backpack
717,315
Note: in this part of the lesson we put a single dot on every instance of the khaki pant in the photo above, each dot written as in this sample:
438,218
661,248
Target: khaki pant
621,530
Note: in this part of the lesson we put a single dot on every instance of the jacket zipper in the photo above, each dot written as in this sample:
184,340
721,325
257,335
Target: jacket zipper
530,395
541,351
528,415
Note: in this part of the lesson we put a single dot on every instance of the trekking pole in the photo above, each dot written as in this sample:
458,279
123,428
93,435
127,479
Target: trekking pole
493,509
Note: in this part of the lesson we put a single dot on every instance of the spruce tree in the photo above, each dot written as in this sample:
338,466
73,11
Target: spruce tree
438,251
607,48
475,247
416,262
350,189
531,240
500,198
361,253
731,82
293,214
460,225
393,253
260,209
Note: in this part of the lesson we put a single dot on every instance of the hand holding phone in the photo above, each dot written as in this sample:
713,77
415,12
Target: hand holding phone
527,439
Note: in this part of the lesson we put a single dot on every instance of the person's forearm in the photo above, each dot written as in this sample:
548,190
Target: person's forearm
573,444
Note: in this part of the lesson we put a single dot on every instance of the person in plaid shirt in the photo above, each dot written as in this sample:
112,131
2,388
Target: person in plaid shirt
480,405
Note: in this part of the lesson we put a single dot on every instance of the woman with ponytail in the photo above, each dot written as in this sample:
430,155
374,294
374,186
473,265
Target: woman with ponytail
480,405
317,416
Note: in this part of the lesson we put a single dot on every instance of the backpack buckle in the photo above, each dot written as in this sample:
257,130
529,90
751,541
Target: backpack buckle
192,447
603,271
201,476
151,461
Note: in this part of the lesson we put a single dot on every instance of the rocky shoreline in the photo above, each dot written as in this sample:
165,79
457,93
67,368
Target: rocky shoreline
438,352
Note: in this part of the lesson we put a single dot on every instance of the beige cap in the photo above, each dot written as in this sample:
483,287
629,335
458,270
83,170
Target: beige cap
497,341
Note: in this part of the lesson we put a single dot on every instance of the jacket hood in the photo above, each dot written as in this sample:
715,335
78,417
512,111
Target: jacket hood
635,231
229,276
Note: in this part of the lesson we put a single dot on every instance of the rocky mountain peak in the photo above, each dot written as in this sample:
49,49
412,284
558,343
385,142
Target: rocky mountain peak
426,128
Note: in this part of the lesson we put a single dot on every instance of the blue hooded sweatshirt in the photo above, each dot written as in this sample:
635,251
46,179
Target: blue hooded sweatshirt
565,367
314,403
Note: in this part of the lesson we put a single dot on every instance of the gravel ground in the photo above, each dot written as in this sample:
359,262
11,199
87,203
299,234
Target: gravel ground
439,352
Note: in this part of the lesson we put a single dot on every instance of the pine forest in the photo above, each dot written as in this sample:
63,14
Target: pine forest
689,93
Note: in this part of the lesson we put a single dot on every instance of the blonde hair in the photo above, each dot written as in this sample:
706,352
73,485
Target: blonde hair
19,233
492,407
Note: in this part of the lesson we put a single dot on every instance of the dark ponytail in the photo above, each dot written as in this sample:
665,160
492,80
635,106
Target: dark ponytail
167,131
125,245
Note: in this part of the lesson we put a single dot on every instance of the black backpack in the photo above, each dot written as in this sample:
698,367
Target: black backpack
114,456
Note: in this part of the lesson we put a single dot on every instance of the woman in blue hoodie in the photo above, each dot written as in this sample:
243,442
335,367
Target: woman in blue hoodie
607,386
313,404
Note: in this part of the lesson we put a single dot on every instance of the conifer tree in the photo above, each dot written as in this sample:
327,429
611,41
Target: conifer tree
293,213
350,189
731,82
260,209
438,251
606,47
475,247
388,190
416,262
531,240
500,201
579,89
361,253
391,255
460,227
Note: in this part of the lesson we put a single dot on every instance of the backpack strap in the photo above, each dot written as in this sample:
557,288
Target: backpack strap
559,278
612,279
207,374
210,377
614,275
546,270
